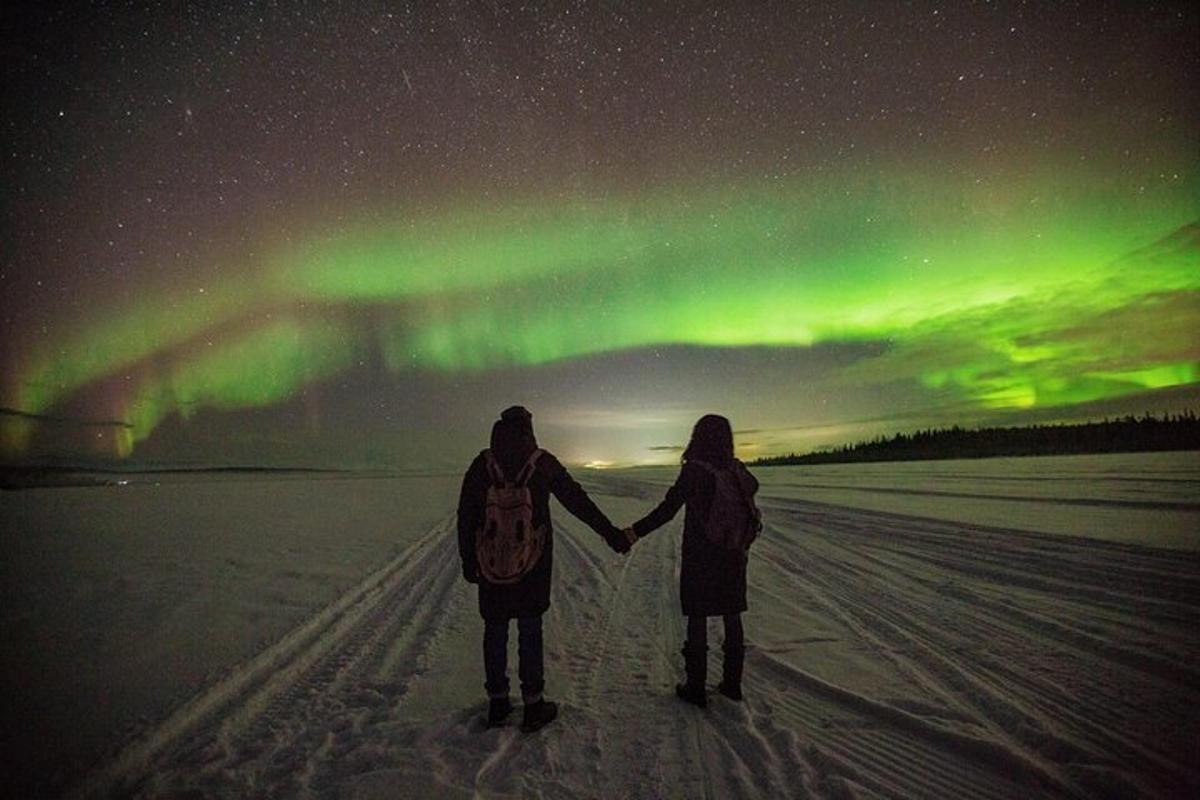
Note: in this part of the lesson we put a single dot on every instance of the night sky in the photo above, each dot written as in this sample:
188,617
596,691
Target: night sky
293,233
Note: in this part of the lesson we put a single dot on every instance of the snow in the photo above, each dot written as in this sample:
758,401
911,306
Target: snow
1002,628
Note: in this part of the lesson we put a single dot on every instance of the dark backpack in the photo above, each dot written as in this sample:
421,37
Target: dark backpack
733,520
508,545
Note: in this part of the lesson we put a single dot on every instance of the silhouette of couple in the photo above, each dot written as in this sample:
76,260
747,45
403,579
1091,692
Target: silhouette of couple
506,543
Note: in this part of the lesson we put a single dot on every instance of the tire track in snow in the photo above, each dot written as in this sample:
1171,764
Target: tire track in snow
851,741
722,752
252,732
1059,727
892,628
892,585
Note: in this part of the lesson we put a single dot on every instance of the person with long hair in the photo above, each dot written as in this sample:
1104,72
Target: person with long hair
712,577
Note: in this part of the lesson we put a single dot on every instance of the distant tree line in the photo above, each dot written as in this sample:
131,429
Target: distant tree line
1128,434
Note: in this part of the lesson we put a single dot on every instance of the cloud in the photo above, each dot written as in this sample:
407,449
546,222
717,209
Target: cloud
100,423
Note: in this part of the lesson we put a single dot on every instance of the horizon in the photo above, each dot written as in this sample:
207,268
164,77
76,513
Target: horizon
132,466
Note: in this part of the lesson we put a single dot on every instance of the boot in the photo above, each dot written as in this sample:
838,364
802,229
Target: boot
538,715
731,677
498,710
695,662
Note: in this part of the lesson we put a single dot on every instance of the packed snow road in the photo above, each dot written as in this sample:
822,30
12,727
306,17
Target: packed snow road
889,656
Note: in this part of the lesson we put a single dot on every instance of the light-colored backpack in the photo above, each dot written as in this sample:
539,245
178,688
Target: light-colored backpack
733,520
508,545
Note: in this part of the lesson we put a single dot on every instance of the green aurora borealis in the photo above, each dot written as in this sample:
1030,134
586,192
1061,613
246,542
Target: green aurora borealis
983,295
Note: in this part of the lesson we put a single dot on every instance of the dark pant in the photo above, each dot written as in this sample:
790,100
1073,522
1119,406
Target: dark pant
697,632
695,653
529,650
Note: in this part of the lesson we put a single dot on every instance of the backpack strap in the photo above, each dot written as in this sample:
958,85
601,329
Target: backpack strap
527,471
748,496
493,468
733,470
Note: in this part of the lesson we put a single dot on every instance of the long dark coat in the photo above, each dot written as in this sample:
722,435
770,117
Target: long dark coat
530,596
712,579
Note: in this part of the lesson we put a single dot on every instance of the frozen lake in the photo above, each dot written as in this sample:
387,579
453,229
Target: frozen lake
988,628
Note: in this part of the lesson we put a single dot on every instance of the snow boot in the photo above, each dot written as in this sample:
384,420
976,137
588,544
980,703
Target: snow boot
689,695
731,678
498,710
695,662
538,715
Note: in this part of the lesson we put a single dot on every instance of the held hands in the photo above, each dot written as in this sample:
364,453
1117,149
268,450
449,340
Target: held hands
622,540
630,535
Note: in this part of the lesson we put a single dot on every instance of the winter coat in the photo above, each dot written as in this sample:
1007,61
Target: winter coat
712,578
529,596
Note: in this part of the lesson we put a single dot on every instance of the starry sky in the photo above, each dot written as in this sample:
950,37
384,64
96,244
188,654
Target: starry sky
302,233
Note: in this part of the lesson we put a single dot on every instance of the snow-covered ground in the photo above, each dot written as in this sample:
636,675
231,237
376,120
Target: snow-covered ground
1015,628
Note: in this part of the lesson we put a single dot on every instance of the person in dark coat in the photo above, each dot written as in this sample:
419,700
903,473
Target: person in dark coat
712,578
512,443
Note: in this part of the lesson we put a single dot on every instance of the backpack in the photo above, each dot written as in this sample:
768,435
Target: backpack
507,546
733,521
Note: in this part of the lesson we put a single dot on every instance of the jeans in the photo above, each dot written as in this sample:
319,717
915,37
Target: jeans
529,650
